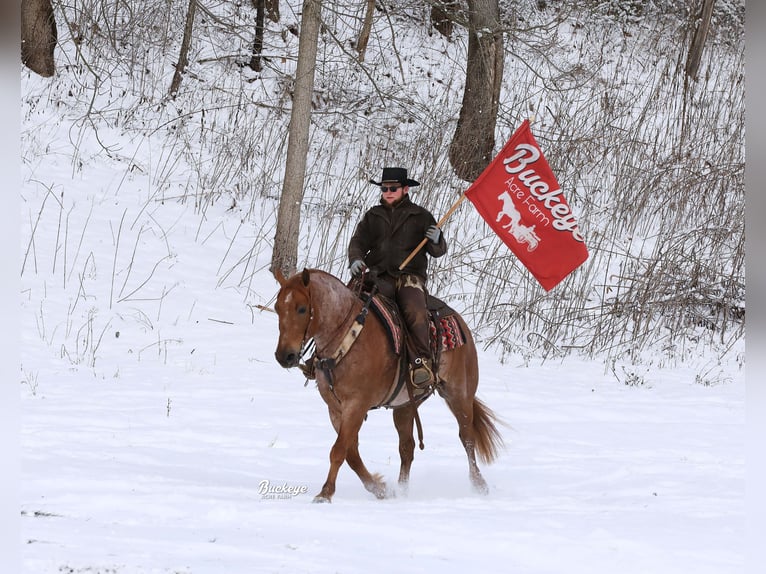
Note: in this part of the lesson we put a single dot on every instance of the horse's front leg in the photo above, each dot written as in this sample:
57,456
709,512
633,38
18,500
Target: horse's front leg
347,424
372,482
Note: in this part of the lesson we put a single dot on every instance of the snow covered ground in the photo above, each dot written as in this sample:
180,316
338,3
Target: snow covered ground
154,414
161,471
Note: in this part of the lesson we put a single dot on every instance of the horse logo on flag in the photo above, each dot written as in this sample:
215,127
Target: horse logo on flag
520,232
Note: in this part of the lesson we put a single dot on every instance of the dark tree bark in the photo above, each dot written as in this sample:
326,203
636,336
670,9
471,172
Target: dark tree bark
474,139
183,57
443,15
285,254
38,36
272,10
364,34
698,41
255,59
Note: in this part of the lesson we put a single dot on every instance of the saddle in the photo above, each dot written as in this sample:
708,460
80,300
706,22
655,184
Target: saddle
445,334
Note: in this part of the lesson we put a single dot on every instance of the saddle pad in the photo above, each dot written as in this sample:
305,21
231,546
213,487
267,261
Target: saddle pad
452,335
386,311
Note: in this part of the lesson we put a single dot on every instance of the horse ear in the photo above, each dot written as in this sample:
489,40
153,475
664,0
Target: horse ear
305,277
277,273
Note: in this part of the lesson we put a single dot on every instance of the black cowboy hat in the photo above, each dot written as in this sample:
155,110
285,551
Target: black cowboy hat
398,174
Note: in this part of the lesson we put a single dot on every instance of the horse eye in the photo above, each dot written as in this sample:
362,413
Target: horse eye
301,310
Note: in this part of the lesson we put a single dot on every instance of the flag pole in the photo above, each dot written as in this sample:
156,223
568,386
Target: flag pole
450,211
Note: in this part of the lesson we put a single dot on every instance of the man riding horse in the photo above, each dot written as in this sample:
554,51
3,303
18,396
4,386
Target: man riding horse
384,238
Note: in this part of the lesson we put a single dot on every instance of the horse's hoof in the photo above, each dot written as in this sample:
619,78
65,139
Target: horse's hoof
377,486
321,498
479,484
481,487
379,490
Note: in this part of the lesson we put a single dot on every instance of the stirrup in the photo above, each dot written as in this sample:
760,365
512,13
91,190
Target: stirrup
422,375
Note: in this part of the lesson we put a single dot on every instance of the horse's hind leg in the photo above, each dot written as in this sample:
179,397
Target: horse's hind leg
470,448
463,409
403,419
469,443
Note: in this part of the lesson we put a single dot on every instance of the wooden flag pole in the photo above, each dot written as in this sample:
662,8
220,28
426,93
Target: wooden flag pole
450,211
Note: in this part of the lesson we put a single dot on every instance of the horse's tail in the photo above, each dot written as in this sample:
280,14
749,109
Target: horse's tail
488,439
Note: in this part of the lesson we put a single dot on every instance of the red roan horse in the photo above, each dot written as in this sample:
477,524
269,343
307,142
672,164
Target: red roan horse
316,305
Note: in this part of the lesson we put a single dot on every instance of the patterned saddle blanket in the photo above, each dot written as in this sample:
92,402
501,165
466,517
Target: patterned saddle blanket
446,333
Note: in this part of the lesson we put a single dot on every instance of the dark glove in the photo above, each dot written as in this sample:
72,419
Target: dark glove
433,233
357,267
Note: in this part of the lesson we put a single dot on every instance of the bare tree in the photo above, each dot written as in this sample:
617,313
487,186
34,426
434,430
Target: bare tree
255,58
698,41
263,8
183,57
285,254
38,36
364,33
474,139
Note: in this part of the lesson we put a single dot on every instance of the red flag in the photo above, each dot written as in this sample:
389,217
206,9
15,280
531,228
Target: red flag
520,199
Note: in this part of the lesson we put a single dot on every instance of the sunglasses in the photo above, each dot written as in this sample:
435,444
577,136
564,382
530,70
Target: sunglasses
393,188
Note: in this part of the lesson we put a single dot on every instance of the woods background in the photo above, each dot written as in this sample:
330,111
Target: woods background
649,150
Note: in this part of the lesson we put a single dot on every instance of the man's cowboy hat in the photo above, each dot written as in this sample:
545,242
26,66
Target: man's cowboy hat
395,174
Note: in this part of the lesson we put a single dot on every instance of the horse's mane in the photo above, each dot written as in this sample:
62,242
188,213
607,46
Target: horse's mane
331,282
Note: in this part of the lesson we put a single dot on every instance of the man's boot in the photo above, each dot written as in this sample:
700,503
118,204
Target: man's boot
422,375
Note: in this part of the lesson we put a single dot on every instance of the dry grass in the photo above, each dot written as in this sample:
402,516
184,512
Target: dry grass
653,167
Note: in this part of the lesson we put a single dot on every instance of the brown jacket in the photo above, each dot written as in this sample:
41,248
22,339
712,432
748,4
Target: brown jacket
387,235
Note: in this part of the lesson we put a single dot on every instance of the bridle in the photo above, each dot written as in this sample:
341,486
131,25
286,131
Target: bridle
328,361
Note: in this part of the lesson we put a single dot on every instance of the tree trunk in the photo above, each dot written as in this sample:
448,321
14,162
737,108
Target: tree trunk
364,34
443,15
272,9
474,139
285,254
255,59
183,57
698,41
38,36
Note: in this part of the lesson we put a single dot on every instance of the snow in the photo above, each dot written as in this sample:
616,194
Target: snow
159,470
146,452
154,416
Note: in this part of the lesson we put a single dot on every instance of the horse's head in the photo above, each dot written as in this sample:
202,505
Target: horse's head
293,307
